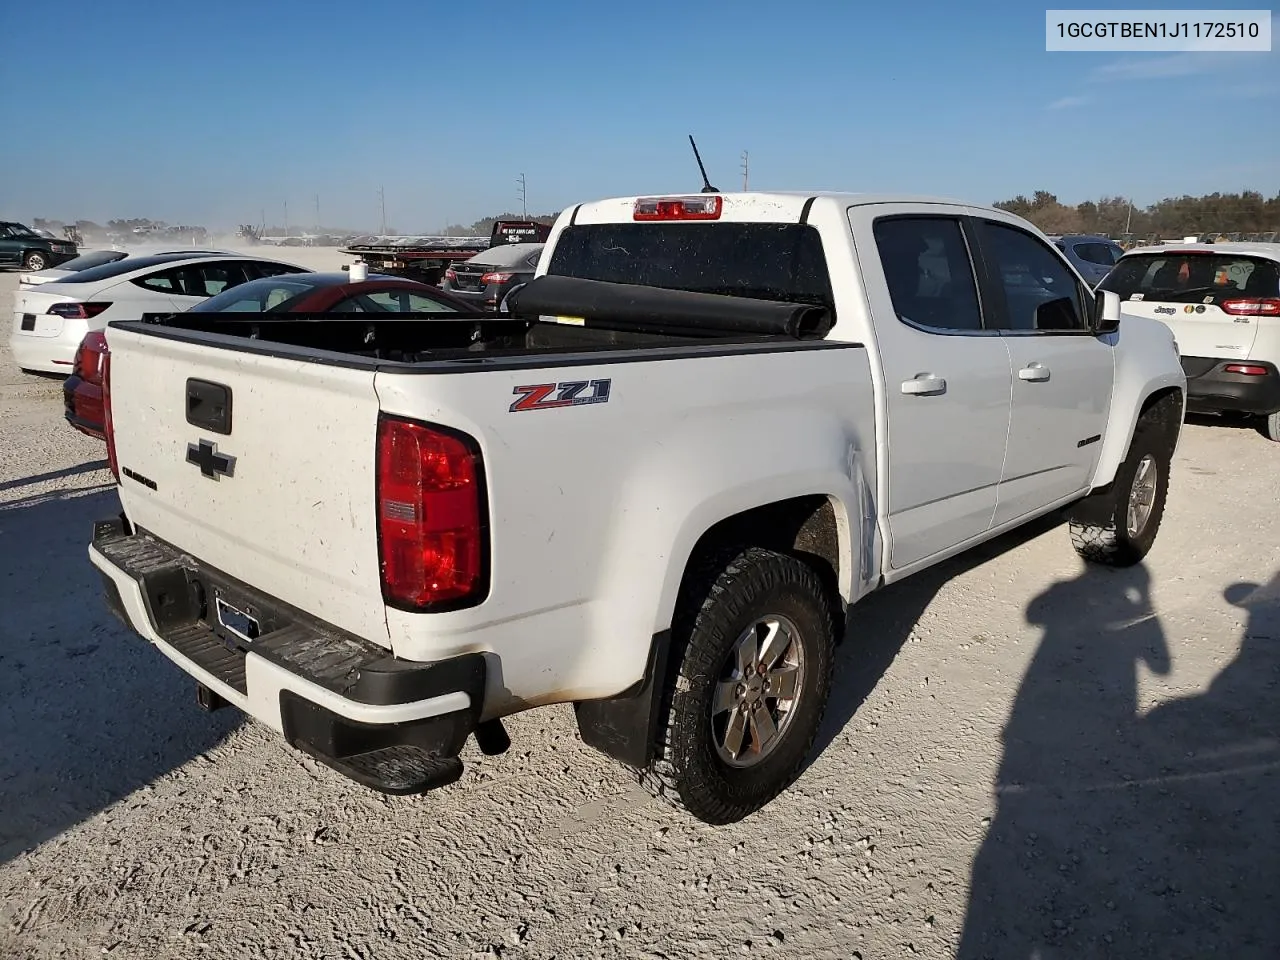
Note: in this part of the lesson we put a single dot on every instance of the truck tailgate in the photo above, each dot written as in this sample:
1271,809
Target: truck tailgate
293,514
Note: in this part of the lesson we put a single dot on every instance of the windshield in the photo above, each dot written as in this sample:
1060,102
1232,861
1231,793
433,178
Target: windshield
256,296
766,261
18,230
1192,277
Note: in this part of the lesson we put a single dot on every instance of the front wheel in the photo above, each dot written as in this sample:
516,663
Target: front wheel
35,261
754,648
1133,506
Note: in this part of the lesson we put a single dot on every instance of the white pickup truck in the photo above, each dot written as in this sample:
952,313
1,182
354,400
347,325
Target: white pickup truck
708,427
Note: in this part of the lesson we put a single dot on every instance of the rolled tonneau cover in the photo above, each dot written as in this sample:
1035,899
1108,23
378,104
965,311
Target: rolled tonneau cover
634,307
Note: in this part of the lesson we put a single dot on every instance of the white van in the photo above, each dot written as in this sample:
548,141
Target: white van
1222,301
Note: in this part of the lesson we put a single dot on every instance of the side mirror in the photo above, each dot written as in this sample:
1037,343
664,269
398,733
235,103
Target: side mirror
1106,312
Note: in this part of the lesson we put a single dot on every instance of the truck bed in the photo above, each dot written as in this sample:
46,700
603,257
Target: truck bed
634,322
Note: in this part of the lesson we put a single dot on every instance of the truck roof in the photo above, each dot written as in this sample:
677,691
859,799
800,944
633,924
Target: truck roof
775,205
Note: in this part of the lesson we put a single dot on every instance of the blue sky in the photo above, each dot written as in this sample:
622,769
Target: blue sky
209,113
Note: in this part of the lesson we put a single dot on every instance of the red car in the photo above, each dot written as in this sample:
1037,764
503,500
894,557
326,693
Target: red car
288,293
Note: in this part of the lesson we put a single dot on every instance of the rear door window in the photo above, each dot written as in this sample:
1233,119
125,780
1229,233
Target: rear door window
195,280
930,276
1193,277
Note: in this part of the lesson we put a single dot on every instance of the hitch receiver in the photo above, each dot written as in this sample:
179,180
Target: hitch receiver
208,699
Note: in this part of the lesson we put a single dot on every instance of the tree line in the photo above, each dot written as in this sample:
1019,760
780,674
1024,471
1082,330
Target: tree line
1248,212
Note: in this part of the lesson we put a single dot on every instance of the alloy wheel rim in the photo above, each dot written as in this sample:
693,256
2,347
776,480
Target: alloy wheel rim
1142,496
758,691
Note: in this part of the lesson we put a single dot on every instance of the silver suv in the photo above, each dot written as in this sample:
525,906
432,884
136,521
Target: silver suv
1093,256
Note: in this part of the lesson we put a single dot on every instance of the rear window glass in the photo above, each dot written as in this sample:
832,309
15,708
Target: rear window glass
120,267
508,255
1101,253
766,261
95,259
1193,277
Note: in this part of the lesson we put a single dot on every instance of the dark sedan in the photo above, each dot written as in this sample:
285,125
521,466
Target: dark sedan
488,277
288,293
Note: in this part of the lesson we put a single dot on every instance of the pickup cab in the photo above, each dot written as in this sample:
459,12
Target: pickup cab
656,489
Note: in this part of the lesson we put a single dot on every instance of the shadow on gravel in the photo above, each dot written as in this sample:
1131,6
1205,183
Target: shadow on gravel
88,712
879,626
1120,835
78,469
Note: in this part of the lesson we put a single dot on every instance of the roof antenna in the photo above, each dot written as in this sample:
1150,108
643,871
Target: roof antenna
706,184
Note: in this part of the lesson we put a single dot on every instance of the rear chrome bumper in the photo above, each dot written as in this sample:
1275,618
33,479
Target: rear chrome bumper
394,725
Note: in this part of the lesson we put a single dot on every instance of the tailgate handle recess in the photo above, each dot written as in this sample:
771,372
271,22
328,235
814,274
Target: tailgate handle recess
209,406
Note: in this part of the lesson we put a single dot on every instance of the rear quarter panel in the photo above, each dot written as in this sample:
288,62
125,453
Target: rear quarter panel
595,509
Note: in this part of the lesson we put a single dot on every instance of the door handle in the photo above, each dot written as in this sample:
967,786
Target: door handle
924,385
1034,372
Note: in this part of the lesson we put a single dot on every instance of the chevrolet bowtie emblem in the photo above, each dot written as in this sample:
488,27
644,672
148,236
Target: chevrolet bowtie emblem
212,464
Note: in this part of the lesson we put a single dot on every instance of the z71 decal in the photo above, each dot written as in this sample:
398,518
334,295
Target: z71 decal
548,396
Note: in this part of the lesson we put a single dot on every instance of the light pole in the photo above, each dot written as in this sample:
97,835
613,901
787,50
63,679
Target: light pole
524,203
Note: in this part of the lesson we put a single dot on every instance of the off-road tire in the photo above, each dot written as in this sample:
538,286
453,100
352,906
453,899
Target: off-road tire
1270,427
1110,543
725,595
35,260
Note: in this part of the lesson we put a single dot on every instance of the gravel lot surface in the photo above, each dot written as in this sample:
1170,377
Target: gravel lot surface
1022,759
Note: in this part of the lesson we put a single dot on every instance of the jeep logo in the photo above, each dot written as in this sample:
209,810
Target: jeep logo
1168,310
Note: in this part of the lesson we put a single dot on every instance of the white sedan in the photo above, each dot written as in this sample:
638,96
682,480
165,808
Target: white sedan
50,320
96,258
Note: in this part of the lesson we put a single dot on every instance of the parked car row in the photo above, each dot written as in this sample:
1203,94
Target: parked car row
60,311
294,292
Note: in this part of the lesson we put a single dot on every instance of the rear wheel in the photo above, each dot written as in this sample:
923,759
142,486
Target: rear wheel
1133,506
1271,427
36,261
754,649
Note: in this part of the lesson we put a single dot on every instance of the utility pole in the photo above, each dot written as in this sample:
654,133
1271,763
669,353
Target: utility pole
382,200
524,195
744,170
286,218
317,213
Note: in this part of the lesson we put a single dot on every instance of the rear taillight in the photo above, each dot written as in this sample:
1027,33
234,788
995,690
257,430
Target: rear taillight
1248,369
432,535
88,365
1252,307
78,311
496,277
108,426
678,208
